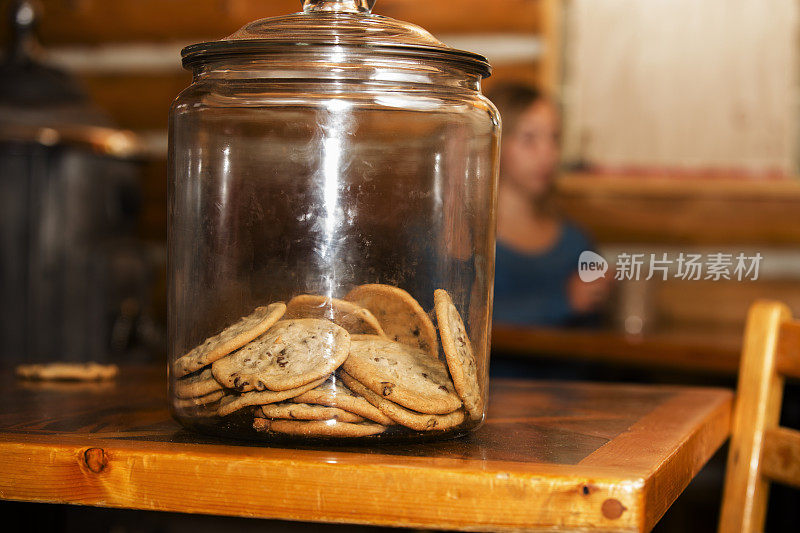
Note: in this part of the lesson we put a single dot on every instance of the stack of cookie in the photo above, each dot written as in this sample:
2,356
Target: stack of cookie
329,367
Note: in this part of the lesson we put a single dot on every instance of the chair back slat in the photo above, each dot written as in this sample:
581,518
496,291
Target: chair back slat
757,409
780,459
788,350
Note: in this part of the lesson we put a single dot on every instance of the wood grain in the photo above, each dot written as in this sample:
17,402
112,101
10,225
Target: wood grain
683,84
788,350
758,403
651,440
780,460
544,459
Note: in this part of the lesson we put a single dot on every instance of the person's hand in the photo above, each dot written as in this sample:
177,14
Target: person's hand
585,297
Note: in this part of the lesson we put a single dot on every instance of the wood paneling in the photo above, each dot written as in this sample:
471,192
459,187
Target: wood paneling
684,211
717,303
677,185
464,16
528,73
683,84
140,101
137,101
104,21
636,211
550,72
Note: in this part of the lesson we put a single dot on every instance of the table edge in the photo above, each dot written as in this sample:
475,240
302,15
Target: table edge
614,497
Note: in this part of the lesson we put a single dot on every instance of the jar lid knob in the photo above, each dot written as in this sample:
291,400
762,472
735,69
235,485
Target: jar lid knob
340,6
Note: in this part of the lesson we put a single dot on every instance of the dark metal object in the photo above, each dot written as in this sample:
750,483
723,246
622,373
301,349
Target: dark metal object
70,269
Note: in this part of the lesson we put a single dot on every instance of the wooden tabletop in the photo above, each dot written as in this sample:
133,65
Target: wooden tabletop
561,456
713,352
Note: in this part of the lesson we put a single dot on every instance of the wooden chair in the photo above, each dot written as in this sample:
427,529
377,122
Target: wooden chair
761,451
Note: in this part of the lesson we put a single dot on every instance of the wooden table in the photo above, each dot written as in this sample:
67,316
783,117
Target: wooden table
561,456
713,352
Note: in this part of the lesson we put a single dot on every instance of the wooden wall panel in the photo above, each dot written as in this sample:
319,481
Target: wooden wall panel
683,84
528,72
550,70
684,211
720,304
116,21
688,216
140,101
137,90
137,101
466,16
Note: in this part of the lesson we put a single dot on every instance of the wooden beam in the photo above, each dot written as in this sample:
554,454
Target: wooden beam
788,363
684,211
780,459
718,305
458,16
101,21
552,14
676,185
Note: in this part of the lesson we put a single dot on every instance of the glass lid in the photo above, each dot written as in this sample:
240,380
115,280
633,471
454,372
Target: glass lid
340,23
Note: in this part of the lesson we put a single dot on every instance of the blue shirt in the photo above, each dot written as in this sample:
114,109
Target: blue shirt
531,288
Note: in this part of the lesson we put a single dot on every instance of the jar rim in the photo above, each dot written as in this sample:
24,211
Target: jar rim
201,53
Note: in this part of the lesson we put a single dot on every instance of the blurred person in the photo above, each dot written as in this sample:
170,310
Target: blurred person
536,278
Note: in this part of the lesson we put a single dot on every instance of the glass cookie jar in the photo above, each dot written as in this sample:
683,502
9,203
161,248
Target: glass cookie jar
332,198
